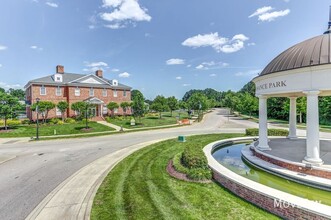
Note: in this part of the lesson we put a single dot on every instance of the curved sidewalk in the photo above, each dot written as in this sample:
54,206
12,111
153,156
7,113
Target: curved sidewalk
73,198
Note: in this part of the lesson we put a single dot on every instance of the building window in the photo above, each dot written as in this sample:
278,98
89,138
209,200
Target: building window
91,92
124,93
104,92
58,91
77,91
115,110
58,78
42,90
115,93
58,112
104,109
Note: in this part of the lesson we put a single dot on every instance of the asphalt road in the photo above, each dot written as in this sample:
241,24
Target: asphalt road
39,167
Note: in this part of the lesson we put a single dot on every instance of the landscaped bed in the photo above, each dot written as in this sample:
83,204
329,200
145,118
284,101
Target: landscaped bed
49,130
139,187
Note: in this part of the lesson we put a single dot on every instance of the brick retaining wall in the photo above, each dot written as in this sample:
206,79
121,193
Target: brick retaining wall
267,203
296,168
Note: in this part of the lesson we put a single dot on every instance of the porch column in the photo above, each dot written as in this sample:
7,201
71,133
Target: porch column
263,124
293,118
313,142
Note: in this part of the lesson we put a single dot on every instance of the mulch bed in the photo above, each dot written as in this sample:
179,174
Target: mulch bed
182,176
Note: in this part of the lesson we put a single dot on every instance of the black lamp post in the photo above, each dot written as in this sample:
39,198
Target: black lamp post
37,110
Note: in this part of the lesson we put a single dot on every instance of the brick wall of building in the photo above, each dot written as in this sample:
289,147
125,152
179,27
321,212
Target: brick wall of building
68,95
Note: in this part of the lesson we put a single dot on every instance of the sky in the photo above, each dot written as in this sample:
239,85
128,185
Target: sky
163,47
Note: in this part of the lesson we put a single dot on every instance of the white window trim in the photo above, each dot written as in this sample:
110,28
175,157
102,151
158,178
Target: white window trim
115,93
104,92
91,92
58,89
43,87
58,112
115,110
77,91
124,93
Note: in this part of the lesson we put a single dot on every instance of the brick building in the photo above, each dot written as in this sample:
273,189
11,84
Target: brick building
72,87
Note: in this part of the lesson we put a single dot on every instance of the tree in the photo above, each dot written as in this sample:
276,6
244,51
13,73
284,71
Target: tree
62,106
250,103
182,104
79,107
18,93
138,104
198,101
125,106
2,90
43,108
8,105
160,105
249,87
112,106
172,104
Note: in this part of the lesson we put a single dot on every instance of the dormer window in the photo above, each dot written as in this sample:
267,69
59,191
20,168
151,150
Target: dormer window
58,77
114,82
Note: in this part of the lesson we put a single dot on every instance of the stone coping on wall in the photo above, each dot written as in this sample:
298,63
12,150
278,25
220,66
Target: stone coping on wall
267,198
318,182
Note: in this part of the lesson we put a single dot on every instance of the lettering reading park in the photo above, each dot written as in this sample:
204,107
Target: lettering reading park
271,85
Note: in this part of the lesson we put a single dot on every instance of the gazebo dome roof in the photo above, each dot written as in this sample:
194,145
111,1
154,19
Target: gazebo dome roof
312,52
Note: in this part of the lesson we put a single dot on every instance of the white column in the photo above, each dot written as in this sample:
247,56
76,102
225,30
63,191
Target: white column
293,118
263,124
313,142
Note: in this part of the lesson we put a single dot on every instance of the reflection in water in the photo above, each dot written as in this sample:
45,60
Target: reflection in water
230,157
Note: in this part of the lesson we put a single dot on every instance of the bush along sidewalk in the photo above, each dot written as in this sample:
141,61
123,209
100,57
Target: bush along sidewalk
193,162
271,132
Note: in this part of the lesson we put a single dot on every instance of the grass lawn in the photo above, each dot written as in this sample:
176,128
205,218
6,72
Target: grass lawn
48,130
150,120
140,188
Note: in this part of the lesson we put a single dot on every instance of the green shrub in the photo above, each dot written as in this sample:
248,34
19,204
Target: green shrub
13,122
60,122
108,119
178,164
25,122
193,157
271,132
84,120
70,120
199,174
54,121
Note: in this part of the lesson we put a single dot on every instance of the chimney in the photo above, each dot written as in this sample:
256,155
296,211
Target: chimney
99,73
59,69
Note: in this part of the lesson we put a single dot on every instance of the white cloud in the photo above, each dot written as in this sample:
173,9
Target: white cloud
115,70
189,65
124,75
212,75
273,15
34,47
8,86
251,44
200,67
266,13
94,66
123,13
249,74
260,11
178,77
220,44
3,47
185,85
52,4
175,61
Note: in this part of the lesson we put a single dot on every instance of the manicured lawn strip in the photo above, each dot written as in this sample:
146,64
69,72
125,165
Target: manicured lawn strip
140,188
48,130
151,120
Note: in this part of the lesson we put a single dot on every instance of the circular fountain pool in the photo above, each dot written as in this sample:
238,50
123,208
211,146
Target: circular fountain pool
230,157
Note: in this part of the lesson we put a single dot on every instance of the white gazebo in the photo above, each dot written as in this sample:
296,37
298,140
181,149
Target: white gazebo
301,70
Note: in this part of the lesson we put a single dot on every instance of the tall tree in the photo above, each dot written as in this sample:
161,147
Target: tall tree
248,87
137,105
160,105
125,106
62,106
18,93
43,108
112,106
198,101
8,105
172,104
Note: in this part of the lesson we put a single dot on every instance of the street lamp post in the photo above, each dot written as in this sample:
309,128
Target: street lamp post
37,110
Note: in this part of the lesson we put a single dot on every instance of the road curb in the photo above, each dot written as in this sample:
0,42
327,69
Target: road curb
73,198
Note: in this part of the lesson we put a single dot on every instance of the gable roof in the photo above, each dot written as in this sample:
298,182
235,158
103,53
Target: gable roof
75,79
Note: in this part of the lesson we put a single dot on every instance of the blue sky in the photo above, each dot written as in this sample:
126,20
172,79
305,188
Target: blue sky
158,47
